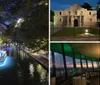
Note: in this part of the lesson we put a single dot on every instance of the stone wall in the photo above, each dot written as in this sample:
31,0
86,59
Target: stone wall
84,17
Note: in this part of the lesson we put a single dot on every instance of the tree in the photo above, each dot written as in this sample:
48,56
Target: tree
87,6
35,14
98,13
98,9
51,16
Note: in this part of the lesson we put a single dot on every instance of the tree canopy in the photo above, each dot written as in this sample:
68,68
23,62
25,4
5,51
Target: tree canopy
98,9
87,6
51,16
35,14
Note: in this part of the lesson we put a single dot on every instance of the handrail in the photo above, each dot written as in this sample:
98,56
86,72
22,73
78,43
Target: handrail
36,59
81,74
40,62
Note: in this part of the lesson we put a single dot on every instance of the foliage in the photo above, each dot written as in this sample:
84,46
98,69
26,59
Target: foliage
1,40
51,16
36,44
87,6
35,26
98,9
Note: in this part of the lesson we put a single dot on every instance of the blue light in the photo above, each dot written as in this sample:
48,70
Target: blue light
2,63
7,63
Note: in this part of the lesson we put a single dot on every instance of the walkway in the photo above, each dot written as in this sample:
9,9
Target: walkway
39,57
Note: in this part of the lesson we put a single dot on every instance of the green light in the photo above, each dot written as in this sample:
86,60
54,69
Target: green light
57,47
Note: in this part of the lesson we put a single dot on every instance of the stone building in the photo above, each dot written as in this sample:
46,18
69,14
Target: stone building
75,16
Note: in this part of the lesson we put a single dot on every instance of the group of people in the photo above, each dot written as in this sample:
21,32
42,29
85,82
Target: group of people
3,53
8,48
4,48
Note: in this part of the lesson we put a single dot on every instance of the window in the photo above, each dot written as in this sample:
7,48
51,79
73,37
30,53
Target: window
78,65
69,64
58,60
89,13
84,65
59,65
60,13
90,65
95,64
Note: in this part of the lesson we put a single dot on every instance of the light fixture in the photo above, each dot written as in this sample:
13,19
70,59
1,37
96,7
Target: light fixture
19,21
86,32
46,4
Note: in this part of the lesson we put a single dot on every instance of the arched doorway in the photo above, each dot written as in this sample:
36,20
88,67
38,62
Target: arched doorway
75,23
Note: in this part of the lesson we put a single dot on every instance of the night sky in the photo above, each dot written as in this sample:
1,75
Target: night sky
62,4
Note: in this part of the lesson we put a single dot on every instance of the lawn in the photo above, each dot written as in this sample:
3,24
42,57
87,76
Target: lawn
76,32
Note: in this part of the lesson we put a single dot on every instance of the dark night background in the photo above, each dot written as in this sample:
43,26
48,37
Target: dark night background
35,25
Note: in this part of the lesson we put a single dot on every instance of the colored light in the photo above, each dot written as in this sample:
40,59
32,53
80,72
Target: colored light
2,63
8,62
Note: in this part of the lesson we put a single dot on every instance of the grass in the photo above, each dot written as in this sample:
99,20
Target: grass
76,32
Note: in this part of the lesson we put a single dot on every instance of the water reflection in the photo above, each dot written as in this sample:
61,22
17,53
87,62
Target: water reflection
21,55
33,72
42,73
7,63
24,70
31,69
20,76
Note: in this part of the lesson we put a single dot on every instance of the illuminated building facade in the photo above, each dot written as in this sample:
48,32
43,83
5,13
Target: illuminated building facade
75,16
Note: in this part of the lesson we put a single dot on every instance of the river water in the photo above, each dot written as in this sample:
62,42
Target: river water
22,69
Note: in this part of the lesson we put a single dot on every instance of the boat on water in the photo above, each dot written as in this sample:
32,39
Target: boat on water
3,55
